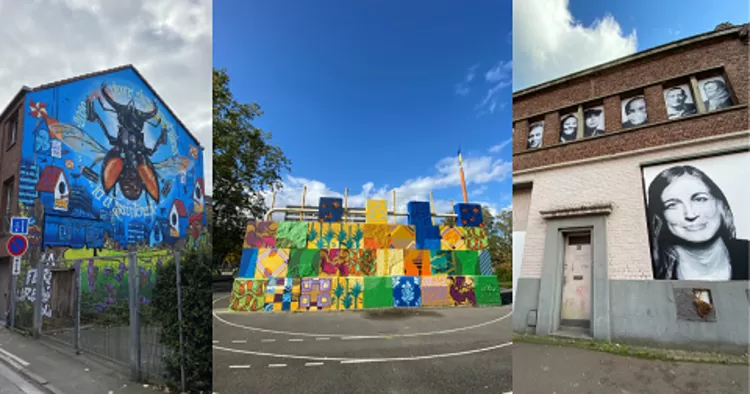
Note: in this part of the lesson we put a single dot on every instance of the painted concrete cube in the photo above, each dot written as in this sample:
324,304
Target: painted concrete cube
452,238
315,294
485,263
377,236
279,295
348,293
390,262
378,292
303,263
419,213
376,212
330,209
469,215
272,263
402,236
467,262
435,291
417,262
442,262
475,238
248,295
406,291
461,290
291,235
248,261
260,235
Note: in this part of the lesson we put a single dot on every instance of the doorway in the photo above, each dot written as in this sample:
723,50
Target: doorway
5,277
575,311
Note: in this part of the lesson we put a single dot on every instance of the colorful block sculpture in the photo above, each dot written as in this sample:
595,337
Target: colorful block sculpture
377,236
247,263
248,295
406,291
376,212
329,264
487,290
467,262
469,215
291,235
452,238
260,235
435,291
348,293
442,262
417,262
485,263
272,263
378,292
330,210
303,263
419,213
279,295
475,238
461,290
390,262
315,294
402,236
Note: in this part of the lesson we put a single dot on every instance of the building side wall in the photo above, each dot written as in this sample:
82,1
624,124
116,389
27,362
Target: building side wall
10,161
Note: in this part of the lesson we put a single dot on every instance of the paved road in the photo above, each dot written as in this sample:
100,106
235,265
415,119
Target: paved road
547,369
451,350
13,383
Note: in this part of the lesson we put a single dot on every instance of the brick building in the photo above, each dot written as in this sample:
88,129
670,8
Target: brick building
604,243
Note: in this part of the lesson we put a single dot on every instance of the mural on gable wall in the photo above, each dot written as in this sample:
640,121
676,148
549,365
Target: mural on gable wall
108,167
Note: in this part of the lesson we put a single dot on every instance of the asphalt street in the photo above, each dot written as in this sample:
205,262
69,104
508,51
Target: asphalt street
447,350
13,383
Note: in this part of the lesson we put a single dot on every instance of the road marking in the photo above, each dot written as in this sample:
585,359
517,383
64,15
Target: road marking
240,341
239,366
215,341
13,357
322,339
295,340
302,334
268,340
365,360
276,365
355,361
313,364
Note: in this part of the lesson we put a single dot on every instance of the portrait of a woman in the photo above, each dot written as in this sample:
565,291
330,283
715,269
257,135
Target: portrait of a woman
692,228
568,128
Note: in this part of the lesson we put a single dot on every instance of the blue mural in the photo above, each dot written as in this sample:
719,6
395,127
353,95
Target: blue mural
110,165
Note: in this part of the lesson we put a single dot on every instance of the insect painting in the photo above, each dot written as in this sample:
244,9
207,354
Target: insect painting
127,163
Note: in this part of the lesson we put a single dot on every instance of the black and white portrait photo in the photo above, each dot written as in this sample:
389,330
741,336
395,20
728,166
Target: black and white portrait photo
593,121
679,101
634,112
715,93
536,131
569,127
699,218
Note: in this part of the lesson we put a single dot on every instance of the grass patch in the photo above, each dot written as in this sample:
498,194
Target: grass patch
636,351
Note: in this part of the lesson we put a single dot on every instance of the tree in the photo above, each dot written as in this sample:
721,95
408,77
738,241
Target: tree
246,165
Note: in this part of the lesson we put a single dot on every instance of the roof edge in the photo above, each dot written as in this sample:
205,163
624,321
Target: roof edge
21,93
630,58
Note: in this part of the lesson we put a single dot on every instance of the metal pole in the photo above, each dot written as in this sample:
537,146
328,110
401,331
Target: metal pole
135,326
37,328
179,320
77,339
13,300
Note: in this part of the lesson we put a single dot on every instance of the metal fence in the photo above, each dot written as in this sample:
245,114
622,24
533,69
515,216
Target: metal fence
99,305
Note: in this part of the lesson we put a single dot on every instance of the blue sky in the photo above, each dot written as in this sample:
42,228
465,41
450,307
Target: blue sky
376,95
578,34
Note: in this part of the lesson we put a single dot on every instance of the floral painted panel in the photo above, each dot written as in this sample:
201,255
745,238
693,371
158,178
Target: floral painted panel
462,290
452,238
476,238
435,291
260,235
376,236
354,236
406,291
442,262
348,293
326,235
248,295
376,211
390,262
272,263
361,262
291,235
334,263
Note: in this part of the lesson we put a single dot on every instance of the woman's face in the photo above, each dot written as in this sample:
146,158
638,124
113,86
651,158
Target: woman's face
535,137
691,212
592,121
570,126
637,114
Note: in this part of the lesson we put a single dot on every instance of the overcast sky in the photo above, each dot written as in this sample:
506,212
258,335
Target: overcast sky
168,41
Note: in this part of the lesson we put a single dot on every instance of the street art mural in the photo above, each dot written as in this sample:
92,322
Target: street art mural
333,265
106,167
698,218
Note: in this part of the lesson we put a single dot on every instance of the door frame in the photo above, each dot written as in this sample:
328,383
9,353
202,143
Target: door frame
567,233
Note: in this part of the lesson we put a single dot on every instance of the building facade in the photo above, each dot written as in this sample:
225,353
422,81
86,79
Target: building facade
98,164
631,201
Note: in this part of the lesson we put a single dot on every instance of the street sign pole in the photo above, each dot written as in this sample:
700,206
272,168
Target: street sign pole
13,295
17,246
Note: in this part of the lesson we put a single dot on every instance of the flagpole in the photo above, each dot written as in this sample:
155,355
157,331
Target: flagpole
463,178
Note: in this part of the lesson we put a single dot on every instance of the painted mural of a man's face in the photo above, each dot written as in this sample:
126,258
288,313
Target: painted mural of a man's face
593,119
716,90
692,213
535,136
676,97
635,110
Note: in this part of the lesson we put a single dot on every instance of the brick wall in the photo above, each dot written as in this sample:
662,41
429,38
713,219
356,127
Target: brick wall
616,181
10,163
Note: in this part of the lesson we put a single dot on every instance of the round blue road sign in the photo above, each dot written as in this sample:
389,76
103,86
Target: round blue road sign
17,245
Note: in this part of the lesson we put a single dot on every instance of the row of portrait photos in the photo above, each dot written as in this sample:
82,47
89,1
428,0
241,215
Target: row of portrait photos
678,99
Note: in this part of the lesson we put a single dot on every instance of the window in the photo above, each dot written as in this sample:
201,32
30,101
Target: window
12,132
7,204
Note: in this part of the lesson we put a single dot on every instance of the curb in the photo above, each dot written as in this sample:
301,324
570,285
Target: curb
40,382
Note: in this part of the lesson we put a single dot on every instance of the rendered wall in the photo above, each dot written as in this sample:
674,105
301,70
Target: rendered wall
106,167
330,265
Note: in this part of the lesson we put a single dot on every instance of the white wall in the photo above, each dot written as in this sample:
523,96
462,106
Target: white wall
519,239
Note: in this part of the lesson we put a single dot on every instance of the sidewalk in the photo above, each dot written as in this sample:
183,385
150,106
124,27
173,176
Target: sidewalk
540,368
57,370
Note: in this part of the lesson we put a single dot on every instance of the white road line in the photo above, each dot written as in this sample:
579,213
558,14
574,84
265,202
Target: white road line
355,361
302,334
215,341
240,341
313,364
268,340
15,358
370,360
322,339
276,365
295,340
239,366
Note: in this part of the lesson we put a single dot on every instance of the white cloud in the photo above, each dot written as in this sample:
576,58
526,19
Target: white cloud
549,43
478,171
168,41
462,89
500,71
497,148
